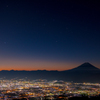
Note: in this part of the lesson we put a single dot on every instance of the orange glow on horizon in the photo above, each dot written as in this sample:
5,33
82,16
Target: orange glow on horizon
29,65
30,69
35,65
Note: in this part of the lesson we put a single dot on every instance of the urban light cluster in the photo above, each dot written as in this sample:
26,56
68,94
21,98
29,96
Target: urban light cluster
40,89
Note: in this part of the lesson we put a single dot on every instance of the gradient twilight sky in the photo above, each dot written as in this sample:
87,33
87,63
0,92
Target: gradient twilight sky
49,34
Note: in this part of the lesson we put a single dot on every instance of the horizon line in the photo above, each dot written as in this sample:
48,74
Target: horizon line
34,70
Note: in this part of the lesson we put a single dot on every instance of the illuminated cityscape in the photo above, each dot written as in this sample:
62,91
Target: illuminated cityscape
42,89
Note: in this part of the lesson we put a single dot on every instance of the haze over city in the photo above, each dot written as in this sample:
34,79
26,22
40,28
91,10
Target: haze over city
49,34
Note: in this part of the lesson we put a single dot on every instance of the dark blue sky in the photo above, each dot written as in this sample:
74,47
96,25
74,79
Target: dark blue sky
49,34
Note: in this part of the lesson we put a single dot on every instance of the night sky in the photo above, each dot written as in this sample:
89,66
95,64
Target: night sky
49,34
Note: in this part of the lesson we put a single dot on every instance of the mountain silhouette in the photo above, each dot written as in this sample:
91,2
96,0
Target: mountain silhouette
85,67
83,73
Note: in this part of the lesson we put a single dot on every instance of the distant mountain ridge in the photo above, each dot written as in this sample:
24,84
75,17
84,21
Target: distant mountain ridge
83,73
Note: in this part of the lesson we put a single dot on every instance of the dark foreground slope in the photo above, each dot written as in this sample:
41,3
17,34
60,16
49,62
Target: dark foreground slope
83,73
